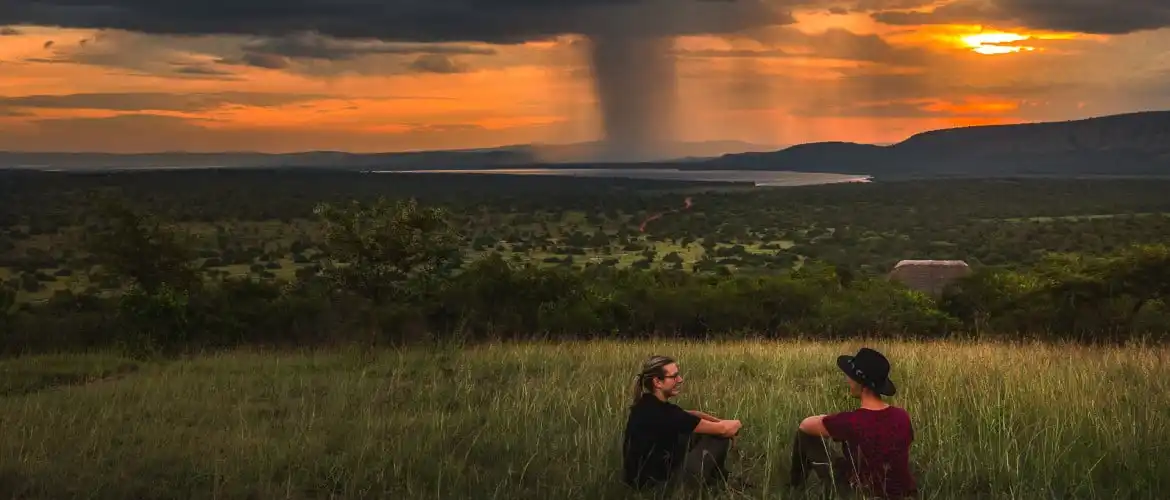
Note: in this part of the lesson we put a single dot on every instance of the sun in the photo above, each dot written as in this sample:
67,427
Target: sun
990,43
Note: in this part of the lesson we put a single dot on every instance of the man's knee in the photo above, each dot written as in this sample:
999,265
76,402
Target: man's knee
811,444
710,442
706,456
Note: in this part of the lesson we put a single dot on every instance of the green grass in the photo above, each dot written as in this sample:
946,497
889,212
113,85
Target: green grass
544,421
37,373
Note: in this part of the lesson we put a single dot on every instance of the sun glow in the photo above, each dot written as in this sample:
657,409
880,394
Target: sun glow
990,43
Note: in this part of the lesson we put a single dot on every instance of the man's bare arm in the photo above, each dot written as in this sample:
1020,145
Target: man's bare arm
704,416
722,428
815,426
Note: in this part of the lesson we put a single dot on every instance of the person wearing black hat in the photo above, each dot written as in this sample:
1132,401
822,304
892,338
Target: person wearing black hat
664,444
877,436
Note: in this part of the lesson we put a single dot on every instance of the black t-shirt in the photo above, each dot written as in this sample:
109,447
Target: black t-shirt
655,440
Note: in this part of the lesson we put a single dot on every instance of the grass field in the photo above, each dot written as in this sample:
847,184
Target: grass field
544,421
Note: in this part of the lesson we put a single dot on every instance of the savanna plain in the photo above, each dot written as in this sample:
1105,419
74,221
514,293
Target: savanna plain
257,335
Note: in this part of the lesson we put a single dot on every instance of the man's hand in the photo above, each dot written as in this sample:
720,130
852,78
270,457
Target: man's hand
733,427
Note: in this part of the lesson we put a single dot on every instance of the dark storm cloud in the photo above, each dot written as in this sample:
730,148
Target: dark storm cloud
1091,16
314,46
866,5
1107,17
280,52
959,12
496,21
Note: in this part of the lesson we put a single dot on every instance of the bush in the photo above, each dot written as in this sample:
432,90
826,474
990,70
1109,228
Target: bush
153,323
400,281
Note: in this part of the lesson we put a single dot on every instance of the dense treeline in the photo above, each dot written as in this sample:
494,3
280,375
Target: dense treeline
392,271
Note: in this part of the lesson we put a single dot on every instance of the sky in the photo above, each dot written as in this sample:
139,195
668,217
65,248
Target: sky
132,76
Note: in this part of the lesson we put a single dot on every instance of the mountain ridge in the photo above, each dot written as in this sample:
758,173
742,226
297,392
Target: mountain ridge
1124,144
508,155
1135,143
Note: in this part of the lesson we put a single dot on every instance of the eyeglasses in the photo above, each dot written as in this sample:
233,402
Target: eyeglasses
676,375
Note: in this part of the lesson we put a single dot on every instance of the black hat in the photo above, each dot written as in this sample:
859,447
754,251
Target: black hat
869,368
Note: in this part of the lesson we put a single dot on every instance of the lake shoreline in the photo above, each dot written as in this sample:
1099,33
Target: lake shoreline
759,178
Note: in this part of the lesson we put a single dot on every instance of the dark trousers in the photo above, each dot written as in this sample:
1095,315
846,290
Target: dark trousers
704,462
814,454
821,456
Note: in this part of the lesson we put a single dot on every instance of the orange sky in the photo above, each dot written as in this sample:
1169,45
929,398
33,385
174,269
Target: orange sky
826,77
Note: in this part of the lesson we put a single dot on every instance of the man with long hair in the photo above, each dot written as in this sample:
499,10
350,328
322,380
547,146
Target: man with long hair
662,443
876,436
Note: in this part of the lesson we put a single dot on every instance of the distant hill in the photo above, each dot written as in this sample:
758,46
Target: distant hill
314,159
506,156
1128,144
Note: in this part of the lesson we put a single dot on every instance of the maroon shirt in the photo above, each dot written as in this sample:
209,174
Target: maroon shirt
878,442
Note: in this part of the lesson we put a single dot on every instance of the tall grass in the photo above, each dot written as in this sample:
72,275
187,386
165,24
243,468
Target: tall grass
544,421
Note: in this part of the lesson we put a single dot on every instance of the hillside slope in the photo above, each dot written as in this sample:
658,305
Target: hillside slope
1129,144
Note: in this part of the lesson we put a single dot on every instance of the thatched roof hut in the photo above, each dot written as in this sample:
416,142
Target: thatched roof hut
929,276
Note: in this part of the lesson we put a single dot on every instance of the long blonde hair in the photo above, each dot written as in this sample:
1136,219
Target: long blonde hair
653,367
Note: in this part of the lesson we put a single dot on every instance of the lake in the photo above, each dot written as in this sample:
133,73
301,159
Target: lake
757,177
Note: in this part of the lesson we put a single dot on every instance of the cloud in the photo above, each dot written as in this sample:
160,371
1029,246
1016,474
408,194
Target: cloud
955,12
212,57
139,133
735,53
1105,17
154,101
493,21
316,46
1110,17
266,61
915,108
436,63
877,5
203,70
281,52
174,57
833,43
